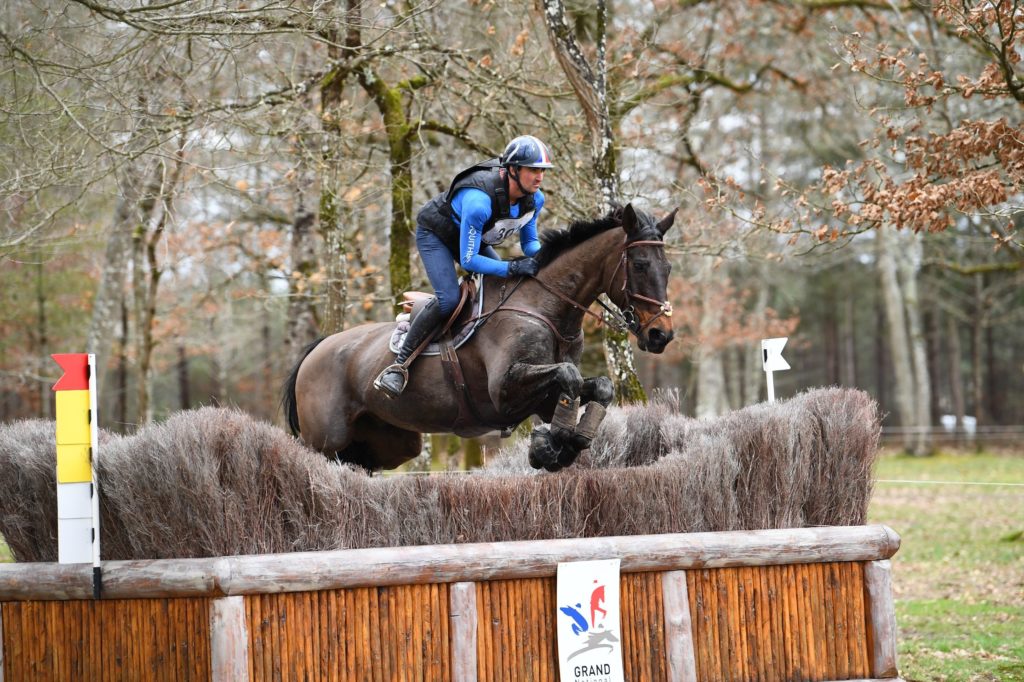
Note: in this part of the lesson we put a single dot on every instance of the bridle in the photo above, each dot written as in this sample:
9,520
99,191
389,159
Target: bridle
628,319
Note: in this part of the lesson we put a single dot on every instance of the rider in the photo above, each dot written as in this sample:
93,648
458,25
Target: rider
481,208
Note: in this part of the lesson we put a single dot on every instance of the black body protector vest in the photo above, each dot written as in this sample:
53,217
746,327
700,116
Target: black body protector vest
437,215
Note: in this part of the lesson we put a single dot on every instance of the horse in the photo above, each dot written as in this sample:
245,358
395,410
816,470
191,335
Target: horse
521,361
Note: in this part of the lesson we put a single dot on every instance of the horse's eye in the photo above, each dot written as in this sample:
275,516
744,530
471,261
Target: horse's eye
640,265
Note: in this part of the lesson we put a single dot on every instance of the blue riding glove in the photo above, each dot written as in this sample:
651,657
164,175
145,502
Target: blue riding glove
523,267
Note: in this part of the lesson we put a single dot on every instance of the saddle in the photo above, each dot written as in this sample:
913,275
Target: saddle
473,295
445,343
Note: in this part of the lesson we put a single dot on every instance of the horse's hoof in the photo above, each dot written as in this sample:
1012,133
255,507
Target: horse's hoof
566,456
544,452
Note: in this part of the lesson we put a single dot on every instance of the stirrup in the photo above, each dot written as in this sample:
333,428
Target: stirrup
397,368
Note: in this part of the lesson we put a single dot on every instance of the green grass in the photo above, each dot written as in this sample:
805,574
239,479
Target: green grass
959,574
5,552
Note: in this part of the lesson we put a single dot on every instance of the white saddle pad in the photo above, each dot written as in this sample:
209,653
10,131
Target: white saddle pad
461,335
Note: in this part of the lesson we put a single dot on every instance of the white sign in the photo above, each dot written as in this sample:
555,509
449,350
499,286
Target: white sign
772,360
589,635
771,354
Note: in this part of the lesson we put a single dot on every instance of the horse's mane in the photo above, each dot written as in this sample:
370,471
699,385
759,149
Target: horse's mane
556,242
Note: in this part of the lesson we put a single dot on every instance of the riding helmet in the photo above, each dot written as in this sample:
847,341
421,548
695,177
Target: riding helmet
526,151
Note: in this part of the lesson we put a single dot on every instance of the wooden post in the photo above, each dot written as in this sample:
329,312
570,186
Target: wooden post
682,663
464,631
881,618
1,643
229,640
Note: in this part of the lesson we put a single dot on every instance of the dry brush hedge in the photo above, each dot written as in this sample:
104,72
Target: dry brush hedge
216,482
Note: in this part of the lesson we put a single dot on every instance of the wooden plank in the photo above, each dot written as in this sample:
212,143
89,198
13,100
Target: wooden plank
679,652
840,605
228,639
547,619
2,644
512,619
484,656
417,615
701,617
766,613
311,571
858,618
881,618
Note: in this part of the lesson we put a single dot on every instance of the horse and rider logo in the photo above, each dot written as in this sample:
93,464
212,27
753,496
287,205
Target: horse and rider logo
589,622
596,636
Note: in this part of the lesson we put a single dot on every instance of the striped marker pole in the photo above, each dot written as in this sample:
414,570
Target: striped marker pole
78,506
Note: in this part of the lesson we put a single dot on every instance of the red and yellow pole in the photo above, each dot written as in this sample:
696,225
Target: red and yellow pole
78,532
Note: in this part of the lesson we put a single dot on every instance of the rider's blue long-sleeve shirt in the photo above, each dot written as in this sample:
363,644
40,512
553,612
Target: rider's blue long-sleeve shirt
471,208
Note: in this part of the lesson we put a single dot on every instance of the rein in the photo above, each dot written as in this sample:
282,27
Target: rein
626,320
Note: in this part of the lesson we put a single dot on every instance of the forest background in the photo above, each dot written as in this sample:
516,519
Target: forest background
195,191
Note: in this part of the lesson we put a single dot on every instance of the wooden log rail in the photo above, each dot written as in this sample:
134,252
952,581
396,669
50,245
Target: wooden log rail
810,604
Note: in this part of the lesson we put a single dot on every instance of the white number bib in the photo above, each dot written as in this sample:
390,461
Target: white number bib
503,229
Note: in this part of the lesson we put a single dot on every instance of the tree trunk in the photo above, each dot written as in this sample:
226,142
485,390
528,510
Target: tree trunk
899,342
977,345
46,399
268,369
994,395
589,83
910,266
754,378
184,387
711,398
848,365
933,340
830,323
156,211
956,379
110,294
881,355
301,322
330,224
122,370
621,368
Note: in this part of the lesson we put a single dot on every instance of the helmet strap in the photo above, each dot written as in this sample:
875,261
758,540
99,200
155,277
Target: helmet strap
515,177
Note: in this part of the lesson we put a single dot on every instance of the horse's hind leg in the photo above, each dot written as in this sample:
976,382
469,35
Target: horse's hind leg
379,445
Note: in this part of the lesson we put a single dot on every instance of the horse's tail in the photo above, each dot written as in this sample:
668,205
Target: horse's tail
288,404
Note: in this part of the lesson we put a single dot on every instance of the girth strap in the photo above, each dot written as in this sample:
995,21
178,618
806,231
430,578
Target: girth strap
468,414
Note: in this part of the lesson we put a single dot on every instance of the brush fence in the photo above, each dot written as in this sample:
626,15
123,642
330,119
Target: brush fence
794,604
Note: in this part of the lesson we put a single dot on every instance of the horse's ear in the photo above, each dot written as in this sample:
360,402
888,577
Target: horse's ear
665,223
629,221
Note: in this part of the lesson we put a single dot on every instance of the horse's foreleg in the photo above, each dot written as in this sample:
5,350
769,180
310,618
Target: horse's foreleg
597,389
533,389
597,394
553,392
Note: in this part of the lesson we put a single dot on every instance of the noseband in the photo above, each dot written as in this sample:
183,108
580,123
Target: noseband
629,317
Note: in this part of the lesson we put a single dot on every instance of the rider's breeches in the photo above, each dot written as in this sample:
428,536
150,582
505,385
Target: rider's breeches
439,263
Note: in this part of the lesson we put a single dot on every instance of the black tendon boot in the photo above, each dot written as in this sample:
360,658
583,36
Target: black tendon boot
394,377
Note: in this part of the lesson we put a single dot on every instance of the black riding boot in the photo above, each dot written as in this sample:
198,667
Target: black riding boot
393,379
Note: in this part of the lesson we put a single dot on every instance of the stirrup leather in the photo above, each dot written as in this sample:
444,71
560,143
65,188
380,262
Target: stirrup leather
377,384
